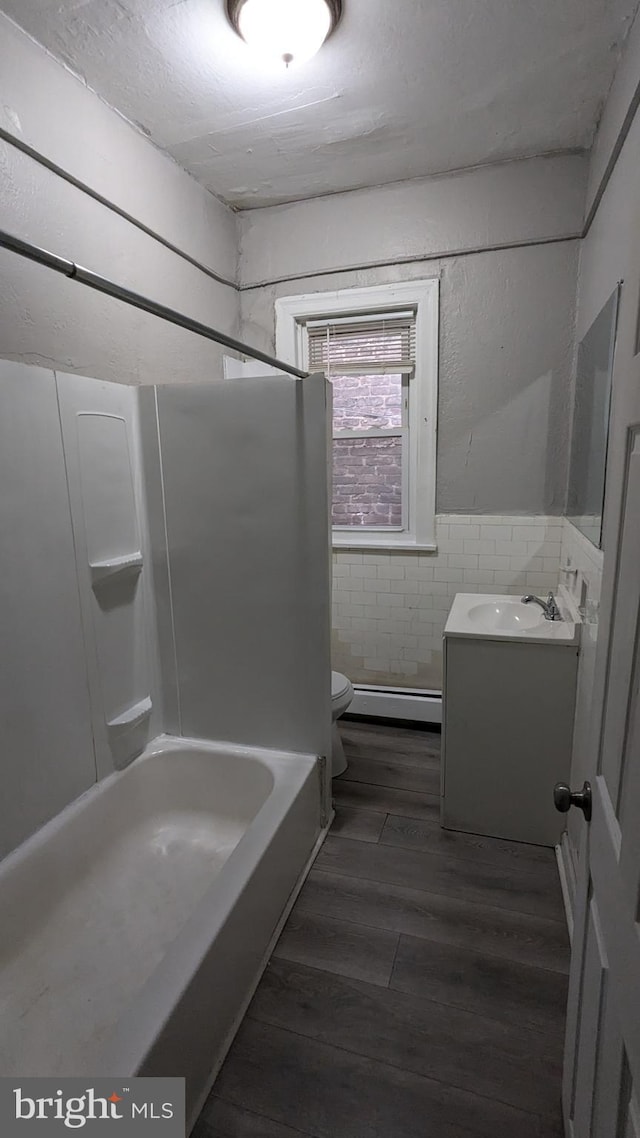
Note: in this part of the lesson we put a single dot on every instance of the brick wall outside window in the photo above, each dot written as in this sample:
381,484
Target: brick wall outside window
367,473
361,401
367,482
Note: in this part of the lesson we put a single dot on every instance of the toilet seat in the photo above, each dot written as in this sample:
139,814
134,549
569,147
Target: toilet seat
341,694
340,685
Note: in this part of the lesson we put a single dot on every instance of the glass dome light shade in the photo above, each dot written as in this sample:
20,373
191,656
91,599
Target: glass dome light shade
289,31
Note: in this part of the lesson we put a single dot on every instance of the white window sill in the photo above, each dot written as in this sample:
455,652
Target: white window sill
401,542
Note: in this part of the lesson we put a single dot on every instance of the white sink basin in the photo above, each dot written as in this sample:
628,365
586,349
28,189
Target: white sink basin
495,616
505,616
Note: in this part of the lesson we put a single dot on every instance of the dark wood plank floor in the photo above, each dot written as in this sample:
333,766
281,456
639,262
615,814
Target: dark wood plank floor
418,988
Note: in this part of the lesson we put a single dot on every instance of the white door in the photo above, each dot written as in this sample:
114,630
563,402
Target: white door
602,1058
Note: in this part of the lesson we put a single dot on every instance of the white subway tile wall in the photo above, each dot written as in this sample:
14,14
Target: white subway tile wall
389,609
580,555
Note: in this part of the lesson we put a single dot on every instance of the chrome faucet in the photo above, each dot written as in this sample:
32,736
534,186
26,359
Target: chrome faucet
549,607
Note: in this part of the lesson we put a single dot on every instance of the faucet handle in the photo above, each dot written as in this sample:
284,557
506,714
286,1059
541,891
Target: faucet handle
553,607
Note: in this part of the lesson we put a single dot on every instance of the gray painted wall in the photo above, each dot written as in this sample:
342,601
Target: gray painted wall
533,200
506,322
49,320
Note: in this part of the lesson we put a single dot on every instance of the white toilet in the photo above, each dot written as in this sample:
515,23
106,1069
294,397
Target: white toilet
341,696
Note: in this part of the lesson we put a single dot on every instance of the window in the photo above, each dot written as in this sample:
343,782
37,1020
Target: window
369,361
379,349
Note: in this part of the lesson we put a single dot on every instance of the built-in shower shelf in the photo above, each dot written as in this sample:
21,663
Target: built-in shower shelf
128,565
132,717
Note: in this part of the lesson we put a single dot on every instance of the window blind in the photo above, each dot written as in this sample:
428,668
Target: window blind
376,345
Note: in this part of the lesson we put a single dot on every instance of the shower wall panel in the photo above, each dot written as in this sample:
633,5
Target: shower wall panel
45,718
99,422
245,494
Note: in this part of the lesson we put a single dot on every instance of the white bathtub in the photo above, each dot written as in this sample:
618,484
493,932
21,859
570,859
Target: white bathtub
136,923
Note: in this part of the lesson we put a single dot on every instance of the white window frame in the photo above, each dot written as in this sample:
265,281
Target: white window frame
292,347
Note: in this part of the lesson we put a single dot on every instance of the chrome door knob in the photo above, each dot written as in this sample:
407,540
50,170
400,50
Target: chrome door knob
564,798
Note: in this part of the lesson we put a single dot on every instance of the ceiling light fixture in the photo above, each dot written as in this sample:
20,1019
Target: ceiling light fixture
289,31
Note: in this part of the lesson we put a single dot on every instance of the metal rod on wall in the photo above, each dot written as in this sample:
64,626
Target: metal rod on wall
137,300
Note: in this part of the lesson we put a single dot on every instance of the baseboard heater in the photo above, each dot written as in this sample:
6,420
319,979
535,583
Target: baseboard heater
397,703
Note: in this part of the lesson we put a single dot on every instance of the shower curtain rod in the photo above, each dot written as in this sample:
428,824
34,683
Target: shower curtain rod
137,300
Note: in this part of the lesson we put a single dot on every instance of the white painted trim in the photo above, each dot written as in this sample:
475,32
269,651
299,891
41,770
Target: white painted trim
293,896
291,346
399,691
422,707
566,872
397,540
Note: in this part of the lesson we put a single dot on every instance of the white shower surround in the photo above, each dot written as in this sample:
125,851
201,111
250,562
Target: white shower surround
138,920
204,843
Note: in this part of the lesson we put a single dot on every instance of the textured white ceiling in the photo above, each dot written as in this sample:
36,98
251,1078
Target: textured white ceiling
403,89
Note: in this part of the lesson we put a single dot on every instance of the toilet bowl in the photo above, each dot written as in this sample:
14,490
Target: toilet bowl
341,696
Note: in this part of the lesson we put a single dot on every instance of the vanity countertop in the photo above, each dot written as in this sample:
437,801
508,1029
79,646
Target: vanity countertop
494,616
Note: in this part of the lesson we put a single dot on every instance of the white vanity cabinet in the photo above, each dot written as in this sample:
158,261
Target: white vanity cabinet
509,701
